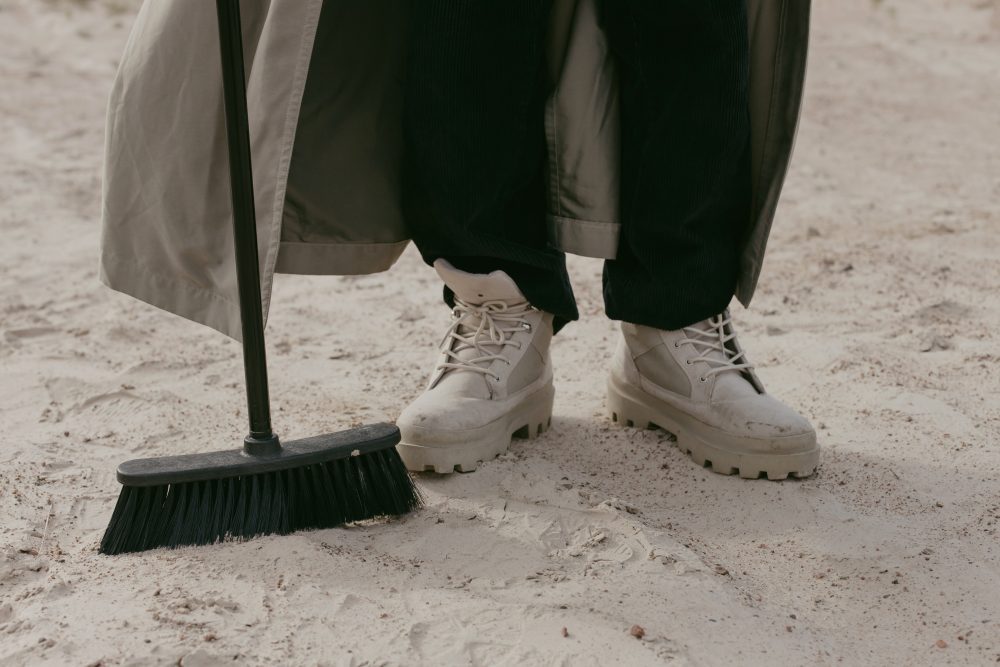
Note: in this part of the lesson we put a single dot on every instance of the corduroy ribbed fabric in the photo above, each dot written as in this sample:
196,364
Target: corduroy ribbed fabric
685,164
475,154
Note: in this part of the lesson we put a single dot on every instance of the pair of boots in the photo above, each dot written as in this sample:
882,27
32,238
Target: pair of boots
494,381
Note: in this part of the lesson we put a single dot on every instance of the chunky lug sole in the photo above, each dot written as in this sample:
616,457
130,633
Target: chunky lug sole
630,406
429,450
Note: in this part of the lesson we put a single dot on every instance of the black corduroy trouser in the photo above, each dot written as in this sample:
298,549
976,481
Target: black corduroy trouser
475,157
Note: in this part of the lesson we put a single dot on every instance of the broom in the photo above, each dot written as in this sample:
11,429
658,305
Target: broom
265,487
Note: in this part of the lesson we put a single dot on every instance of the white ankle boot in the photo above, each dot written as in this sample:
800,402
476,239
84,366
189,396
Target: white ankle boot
697,383
493,380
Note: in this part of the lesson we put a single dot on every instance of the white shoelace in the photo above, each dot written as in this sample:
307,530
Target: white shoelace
714,339
492,323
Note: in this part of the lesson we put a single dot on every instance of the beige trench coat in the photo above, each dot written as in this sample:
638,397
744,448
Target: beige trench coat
324,95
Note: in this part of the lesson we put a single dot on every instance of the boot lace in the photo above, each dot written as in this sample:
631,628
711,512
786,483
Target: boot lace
711,344
476,327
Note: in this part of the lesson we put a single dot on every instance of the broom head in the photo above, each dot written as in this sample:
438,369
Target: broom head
317,482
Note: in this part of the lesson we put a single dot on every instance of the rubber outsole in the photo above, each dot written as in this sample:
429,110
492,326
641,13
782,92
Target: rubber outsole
626,411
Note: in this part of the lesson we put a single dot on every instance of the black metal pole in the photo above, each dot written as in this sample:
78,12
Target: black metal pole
261,439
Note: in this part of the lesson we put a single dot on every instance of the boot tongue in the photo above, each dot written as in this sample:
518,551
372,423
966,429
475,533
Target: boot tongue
729,385
475,289
478,288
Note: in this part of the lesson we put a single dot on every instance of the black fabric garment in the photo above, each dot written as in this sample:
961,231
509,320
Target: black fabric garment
475,158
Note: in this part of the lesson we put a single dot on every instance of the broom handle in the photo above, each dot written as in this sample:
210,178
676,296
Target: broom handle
261,439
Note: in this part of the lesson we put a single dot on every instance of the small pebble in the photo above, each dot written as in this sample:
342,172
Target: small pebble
637,631
565,632
941,643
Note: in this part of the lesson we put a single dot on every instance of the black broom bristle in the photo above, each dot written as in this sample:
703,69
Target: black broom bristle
319,495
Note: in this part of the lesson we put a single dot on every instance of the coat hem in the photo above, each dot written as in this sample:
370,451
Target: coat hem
587,238
340,259
198,304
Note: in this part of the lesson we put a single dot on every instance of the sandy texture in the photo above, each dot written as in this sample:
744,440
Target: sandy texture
877,317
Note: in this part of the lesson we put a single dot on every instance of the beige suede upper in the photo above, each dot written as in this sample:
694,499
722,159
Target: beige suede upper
733,403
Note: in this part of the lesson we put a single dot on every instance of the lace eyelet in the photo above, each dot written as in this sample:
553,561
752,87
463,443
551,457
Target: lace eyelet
703,378
527,327
496,377
688,362
677,344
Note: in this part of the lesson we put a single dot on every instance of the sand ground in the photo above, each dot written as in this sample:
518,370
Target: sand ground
877,317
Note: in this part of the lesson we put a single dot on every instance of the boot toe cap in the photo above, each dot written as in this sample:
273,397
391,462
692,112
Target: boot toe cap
764,417
459,414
